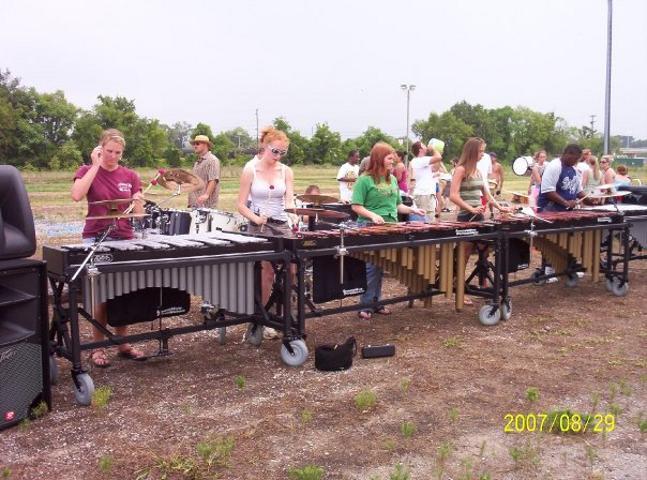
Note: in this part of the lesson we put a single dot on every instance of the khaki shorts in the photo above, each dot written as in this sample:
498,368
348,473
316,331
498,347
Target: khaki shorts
426,202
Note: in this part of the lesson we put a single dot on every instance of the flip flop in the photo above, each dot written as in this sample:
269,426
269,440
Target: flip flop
99,359
383,311
133,354
364,315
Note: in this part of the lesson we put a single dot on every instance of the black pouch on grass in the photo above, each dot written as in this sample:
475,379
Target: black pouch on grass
330,358
146,305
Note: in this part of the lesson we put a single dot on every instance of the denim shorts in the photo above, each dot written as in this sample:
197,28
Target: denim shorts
90,241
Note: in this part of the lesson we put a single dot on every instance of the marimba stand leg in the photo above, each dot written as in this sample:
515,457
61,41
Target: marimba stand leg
83,384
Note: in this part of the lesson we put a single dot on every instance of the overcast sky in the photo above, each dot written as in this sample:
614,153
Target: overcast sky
335,61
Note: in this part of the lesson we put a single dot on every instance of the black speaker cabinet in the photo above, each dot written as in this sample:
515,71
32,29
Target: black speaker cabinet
17,233
24,356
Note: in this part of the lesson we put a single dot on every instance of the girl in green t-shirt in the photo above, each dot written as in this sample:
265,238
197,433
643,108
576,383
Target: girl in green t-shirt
376,198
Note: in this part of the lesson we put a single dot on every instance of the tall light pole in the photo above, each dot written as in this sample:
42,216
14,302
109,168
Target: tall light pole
607,96
407,88
258,139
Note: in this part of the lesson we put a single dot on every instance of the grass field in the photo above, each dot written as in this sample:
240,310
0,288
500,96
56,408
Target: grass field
439,408
50,199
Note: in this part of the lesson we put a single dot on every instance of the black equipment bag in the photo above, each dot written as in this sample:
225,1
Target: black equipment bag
325,274
638,194
378,351
146,305
407,200
518,255
340,207
331,358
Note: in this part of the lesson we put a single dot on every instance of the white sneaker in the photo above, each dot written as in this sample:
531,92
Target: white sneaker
579,274
270,334
552,280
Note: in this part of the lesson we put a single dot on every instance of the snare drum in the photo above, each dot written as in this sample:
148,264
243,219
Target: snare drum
523,165
200,220
208,220
225,221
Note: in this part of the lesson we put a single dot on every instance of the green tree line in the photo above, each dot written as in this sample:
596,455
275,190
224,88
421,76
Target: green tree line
45,131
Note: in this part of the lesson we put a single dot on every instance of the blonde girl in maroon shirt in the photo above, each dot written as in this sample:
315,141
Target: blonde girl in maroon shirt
105,179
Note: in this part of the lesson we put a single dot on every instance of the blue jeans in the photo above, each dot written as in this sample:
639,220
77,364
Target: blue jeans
414,217
373,292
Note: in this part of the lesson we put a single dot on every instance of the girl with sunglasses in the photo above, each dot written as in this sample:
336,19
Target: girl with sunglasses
376,198
592,178
269,185
608,172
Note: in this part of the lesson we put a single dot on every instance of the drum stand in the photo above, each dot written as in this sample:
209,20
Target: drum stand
531,231
93,250
91,270
341,253
172,196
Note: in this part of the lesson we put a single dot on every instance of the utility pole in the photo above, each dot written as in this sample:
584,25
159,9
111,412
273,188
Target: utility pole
607,96
258,140
408,89
593,123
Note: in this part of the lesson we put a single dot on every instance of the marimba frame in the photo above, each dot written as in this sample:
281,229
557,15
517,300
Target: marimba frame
491,311
616,279
64,334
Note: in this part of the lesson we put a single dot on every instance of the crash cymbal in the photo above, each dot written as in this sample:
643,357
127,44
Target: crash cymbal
518,194
178,179
317,199
115,201
319,212
604,186
609,195
118,215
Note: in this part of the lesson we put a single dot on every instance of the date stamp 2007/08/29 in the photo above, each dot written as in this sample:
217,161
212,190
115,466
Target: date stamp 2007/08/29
559,422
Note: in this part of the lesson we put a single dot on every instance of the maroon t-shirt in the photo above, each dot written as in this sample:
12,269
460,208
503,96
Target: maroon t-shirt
120,183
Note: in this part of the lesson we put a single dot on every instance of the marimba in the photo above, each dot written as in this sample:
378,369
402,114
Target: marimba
218,266
428,258
635,216
570,241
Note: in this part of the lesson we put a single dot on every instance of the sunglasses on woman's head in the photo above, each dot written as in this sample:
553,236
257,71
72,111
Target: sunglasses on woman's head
276,151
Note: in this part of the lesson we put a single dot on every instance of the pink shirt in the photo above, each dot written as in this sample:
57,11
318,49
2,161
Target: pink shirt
402,183
120,183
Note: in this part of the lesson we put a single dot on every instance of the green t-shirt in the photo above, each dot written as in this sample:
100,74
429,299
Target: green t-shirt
382,198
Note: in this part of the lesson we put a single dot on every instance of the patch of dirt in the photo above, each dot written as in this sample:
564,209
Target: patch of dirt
451,378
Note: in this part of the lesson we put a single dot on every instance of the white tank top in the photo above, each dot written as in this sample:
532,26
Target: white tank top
269,200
